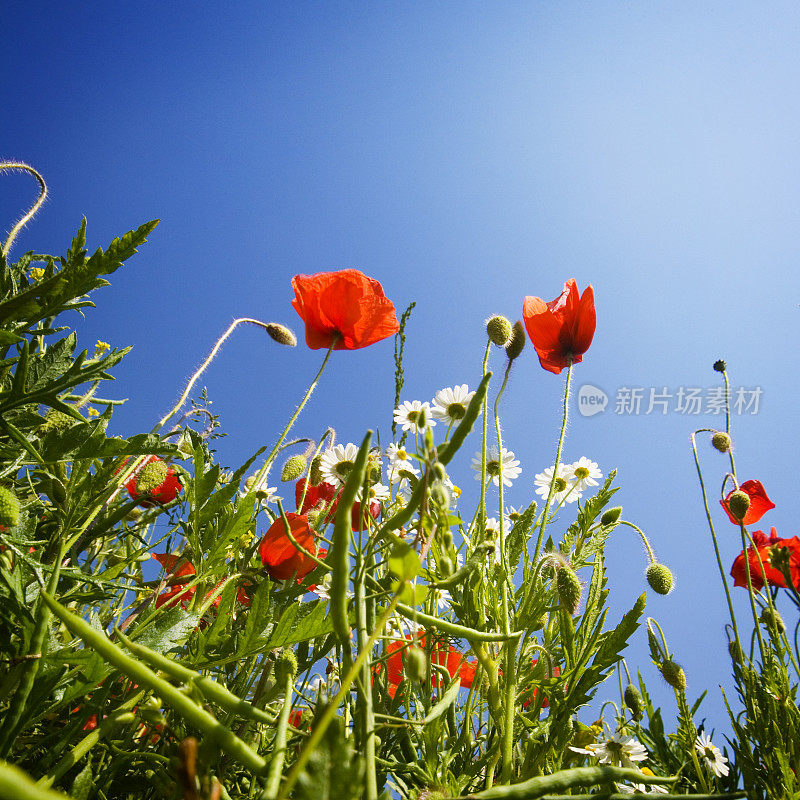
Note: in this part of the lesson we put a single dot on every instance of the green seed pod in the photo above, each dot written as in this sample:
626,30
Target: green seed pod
152,475
281,334
134,514
721,441
9,508
58,492
446,566
772,619
438,471
569,589
416,664
316,473
720,366
739,503
673,674
659,576
286,666
517,342
735,652
633,699
293,468
7,561
439,495
447,538
611,516
499,330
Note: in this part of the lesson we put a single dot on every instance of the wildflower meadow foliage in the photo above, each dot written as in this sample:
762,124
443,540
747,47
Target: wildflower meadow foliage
335,620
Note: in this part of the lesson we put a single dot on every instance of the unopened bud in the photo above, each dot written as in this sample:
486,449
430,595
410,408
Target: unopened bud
286,666
772,619
438,471
721,441
447,538
633,699
739,503
659,576
9,508
416,664
735,651
314,471
611,516
281,334
673,674
293,468
499,330
569,589
517,342
720,366
439,495
151,476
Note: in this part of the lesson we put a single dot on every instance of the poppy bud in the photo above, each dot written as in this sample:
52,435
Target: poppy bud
720,366
772,619
735,651
58,492
447,538
659,577
633,699
673,674
281,334
611,516
499,330
446,566
314,471
569,589
437,468
416,664
440,496
9,508
738,503
152,474
721,441
517,342
293,468
286,665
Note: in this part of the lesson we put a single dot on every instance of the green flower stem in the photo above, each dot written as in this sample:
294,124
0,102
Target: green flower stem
287,529
643,537
714,540
211,690
18,785
546,510
485,403
20,166
470,634
365,708
750,590
13,718
172,697
330,712
279,743
578,777
445,455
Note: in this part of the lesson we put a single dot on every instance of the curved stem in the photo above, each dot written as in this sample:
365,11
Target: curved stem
22,167
644,539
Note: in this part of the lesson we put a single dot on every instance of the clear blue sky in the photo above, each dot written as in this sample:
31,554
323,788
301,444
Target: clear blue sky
466,155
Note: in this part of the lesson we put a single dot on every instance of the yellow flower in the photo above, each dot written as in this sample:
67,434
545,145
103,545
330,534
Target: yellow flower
36,273
101,348
93,412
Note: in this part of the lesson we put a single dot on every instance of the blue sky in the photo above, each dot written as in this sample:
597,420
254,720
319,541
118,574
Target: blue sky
466,155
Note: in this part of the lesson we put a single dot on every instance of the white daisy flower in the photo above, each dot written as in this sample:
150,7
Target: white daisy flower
376,493
443,599
713,757
266,494
643,788
409,413
511,467
583,473
399,459
564,489
337,462
450,405
491,530
620,750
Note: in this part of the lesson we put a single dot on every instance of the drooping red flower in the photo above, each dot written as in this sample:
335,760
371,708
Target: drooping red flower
280,557
326,494
154,482
561,330
768,547
759,503
443,654
345,303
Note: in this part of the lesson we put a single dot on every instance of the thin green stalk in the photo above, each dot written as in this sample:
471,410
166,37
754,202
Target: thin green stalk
545,513
366,709
279,744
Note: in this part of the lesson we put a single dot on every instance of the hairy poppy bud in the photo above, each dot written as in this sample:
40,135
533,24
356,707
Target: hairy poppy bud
447,538
516,343
416,664
569,589
611,516
721,441
281,334
499,330
772,619
152,474
633,699
9,508
446,566
293,468
439,495
286,665
315,472
738,503
438,470
720,366
673,674
659,576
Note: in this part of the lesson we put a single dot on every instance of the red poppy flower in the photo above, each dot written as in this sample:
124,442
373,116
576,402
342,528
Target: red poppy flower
325,494
562,330
280,557
177,591
759,503
346,304
155,482
767,547
443,654
545,701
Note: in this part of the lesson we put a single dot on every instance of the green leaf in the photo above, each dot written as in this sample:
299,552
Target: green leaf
307,621
518,538
170,630
404,562
83,785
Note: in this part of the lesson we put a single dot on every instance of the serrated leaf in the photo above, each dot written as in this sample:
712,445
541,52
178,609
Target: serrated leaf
168,631
517,540
613,642
308,621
